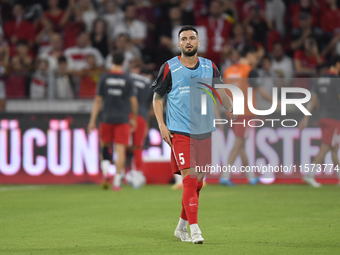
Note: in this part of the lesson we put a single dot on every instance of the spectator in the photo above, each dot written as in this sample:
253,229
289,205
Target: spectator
136,29
218,29
99,37
19,29
131,52
86,13
304,6
23,55
260,23
282,64
146,14
230,57
4,50
73,28
275,12
40,85
249,35
238,39
57,16
16,80
4,58
63,83
2,94
307,60
169,32
54,51
244,7
44,36
305,30
113,16
89,78
269,80
76,56
330,17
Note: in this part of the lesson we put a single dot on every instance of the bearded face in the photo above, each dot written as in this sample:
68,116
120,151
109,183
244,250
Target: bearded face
188,43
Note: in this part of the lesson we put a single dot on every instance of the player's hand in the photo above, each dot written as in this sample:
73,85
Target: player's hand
303,123
133,124
90,127
233,116
166,135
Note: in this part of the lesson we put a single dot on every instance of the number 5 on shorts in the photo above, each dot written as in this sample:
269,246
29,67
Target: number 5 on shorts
182,161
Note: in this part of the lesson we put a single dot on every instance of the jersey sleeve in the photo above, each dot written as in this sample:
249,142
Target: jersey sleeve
132,88
163,83
217,77
100,85
337,86
254,79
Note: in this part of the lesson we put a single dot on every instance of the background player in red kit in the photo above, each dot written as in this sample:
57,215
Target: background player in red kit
326,92
188,149
116,95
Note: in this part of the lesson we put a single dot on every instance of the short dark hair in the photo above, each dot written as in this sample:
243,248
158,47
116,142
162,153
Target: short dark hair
335,60
22,42
127,5
267,56
62,59
246,50
118,58
278,43
187,28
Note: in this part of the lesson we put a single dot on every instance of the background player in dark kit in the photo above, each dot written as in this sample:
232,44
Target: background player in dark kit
141,80
326,93
116,95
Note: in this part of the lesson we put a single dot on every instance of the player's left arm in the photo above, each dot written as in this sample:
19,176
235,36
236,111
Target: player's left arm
97,104
134,106
134,111
225,99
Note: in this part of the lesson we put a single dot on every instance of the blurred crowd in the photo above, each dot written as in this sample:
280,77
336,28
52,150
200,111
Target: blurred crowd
57,49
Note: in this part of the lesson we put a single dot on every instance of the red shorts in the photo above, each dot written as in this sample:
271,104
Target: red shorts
187,152
116,133
242,129
330,131
139,135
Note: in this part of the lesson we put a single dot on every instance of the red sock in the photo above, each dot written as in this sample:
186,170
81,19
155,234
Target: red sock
183,214
199,187
190,200
138,159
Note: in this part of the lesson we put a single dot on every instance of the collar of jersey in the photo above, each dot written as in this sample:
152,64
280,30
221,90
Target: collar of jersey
192,69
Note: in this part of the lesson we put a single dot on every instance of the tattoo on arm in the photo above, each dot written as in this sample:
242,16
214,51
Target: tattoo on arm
156,96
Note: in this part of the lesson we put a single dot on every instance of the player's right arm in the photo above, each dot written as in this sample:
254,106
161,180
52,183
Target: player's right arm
158,109
162,86
94,113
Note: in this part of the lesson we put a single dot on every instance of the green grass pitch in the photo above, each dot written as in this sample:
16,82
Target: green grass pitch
83,219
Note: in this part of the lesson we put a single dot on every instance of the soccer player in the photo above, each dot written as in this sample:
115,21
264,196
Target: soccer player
141,81
117,96
187,150
243,76
326,93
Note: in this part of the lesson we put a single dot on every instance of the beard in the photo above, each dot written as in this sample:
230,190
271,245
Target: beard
190,53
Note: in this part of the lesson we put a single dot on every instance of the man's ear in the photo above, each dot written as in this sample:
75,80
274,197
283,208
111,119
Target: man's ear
199,44
178,46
